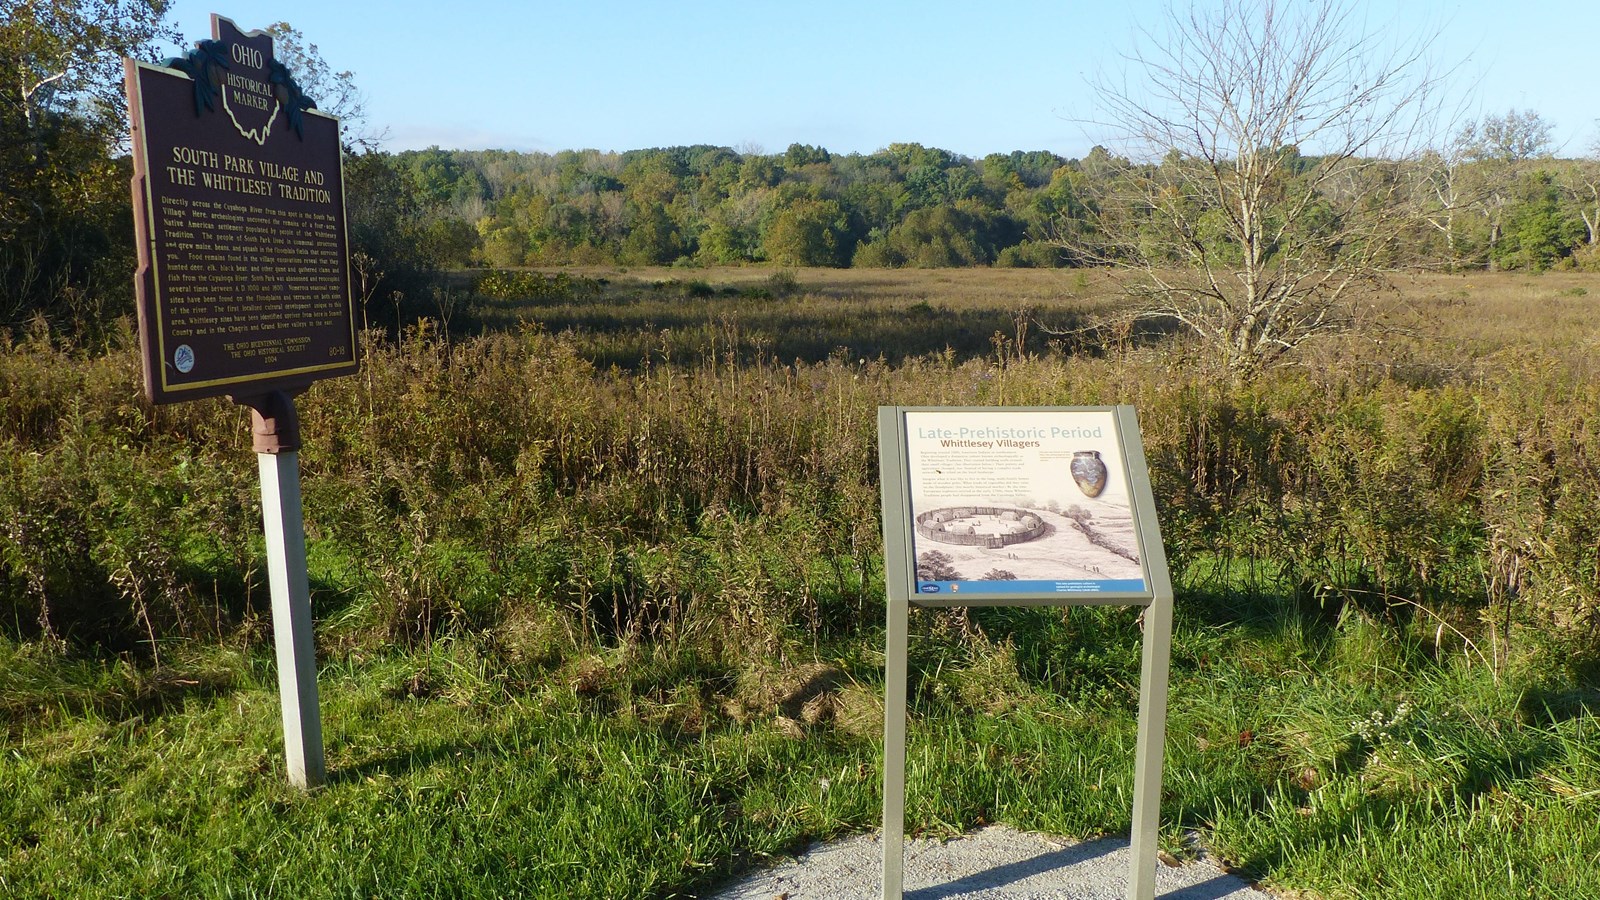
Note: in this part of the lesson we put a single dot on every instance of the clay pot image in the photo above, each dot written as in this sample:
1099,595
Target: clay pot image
1089,471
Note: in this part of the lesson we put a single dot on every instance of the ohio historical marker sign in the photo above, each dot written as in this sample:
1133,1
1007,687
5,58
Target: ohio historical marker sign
244,290
244,281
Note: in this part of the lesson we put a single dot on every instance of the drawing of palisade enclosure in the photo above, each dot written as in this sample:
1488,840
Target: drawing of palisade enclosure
1013,496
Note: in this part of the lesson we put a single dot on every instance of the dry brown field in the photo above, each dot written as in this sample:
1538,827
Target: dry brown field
1447,322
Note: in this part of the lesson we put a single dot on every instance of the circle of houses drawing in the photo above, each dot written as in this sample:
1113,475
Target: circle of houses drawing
980,526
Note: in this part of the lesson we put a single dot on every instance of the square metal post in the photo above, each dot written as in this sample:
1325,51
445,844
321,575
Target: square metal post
276,432
1155,656
291,618
1149,752
894,750
896,558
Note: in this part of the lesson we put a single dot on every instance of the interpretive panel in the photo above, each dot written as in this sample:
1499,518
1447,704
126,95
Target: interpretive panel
1021,506
244,282
1008,502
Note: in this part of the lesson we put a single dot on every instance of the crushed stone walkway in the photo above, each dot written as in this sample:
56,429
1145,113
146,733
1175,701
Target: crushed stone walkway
995,863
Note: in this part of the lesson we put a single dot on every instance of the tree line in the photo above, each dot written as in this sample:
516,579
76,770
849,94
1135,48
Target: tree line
1496,197
1493,195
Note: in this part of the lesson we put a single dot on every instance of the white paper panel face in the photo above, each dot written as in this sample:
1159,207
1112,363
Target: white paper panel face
1021,502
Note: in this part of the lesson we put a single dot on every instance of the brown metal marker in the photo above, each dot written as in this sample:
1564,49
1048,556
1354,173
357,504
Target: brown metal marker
244,290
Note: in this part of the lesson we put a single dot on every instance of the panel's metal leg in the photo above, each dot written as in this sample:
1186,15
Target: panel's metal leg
1152,743
894,750
291,617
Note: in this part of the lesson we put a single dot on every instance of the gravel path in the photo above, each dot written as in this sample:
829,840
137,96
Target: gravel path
995,863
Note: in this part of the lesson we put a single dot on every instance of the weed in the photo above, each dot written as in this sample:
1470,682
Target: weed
614,550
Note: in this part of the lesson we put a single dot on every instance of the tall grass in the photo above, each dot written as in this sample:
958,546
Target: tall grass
459,476
566,536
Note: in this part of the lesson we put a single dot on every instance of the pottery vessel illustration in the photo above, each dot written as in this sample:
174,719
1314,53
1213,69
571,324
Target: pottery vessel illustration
1089,471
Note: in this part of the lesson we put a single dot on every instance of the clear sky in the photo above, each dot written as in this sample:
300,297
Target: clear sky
848,75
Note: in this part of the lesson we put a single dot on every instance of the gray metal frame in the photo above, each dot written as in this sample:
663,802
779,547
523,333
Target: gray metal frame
900,584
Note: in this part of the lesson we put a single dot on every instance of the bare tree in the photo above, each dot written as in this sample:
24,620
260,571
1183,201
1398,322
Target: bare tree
1514,137
1499,149
1263,193
1445,191
335,93
1580,180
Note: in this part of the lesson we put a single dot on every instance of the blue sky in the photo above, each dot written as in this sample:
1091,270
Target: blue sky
970,77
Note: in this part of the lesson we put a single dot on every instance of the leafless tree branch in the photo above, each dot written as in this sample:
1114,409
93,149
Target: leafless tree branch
1263,188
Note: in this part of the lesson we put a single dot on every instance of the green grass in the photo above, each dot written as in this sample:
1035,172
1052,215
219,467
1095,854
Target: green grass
1307,755
599,602
469,792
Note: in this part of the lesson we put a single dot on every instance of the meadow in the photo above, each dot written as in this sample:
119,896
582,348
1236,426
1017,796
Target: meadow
597,573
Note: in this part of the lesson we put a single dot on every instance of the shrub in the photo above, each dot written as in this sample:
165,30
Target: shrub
534,287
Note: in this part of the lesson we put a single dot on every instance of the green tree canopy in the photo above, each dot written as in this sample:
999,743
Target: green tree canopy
808,233
65,237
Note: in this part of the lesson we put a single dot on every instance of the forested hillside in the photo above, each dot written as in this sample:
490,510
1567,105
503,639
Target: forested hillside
1493,195
1497,198
1491,203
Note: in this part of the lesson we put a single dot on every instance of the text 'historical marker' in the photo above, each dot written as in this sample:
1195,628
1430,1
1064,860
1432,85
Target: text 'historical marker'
244,281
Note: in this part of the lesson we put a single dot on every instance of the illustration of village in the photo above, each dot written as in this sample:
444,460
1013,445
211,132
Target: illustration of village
1074,522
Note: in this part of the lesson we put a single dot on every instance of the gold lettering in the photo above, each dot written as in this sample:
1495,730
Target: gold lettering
190,156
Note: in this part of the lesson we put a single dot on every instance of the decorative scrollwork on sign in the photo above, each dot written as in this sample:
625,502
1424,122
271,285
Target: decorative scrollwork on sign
204,65
290,97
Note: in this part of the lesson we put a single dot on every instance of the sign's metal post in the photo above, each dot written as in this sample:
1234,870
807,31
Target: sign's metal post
276,433
1153,671
894,750
891,450
1147,763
